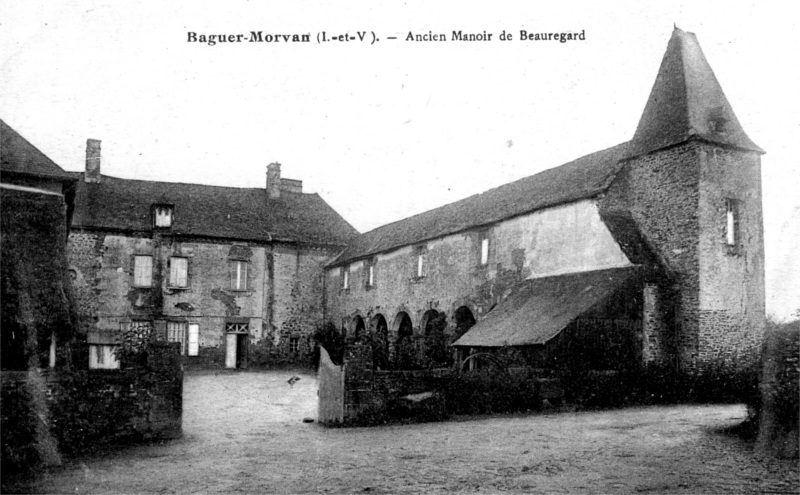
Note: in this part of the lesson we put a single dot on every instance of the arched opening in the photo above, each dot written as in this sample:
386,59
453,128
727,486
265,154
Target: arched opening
359,329
380,342
464,321
404,348
434,324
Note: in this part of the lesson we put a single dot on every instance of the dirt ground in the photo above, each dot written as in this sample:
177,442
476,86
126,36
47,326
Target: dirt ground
244,434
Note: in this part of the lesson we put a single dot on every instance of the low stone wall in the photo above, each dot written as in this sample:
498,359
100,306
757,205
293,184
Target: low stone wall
51,412
89,407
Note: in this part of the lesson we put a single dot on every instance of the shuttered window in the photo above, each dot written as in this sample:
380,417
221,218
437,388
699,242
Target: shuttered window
179,272
238,275
176,332
143,271
194,339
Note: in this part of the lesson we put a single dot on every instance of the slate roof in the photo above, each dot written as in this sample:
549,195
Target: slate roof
541,308
18,155
209,211
582,178
687,102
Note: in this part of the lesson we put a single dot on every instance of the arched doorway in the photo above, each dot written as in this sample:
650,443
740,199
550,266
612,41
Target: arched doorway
358,328
380,342
464,321
404,347
435,351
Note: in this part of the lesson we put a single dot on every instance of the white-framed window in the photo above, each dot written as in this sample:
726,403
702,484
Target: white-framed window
176,332
238,275
193,346
420,262
484,249
346,277
143,271
103,357
294,344
162,216
179,272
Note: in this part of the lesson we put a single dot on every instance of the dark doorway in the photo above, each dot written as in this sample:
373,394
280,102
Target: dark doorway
380,343
242,350
404,358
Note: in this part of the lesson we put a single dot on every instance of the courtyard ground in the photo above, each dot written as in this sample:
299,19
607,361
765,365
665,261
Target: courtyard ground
243,433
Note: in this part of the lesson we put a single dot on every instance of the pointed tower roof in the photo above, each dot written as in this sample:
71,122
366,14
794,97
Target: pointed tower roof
687,102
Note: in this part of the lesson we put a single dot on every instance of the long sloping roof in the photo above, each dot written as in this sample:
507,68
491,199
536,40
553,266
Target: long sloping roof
541,308
209,211
582,178
687,102
18,155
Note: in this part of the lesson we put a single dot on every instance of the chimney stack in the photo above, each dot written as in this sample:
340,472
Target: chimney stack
92,161
274,180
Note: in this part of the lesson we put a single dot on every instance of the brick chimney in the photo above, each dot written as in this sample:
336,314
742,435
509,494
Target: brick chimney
274,180
92,161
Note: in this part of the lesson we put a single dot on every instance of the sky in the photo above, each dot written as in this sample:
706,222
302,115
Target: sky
383,129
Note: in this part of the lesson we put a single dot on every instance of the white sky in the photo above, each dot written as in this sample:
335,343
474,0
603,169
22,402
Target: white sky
387,130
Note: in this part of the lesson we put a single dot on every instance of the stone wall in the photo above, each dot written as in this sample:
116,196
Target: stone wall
91,407
676,197
732,293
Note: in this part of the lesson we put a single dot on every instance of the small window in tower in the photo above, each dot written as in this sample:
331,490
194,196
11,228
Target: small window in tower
162,216
294,345
345,277
732,208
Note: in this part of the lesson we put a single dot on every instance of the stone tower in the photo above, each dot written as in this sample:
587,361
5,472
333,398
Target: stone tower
691,184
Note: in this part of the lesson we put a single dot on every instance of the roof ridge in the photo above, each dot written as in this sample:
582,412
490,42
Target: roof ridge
501,186
148,181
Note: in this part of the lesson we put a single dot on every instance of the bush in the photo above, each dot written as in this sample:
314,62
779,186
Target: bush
492,390
329,337
780,387
716,382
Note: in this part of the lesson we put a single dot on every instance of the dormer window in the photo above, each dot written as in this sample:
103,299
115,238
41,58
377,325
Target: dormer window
162,216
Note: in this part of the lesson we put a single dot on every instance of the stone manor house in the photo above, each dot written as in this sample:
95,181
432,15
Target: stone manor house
648,251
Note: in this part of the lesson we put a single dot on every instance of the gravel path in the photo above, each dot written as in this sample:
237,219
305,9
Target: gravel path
244,434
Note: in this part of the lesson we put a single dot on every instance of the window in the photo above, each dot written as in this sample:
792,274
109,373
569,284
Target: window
420,262
346,277
731,222
143,271
294,344
176,332
194,339
162,216
371,273
103,357
239,275
237,327
484,248
178,272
